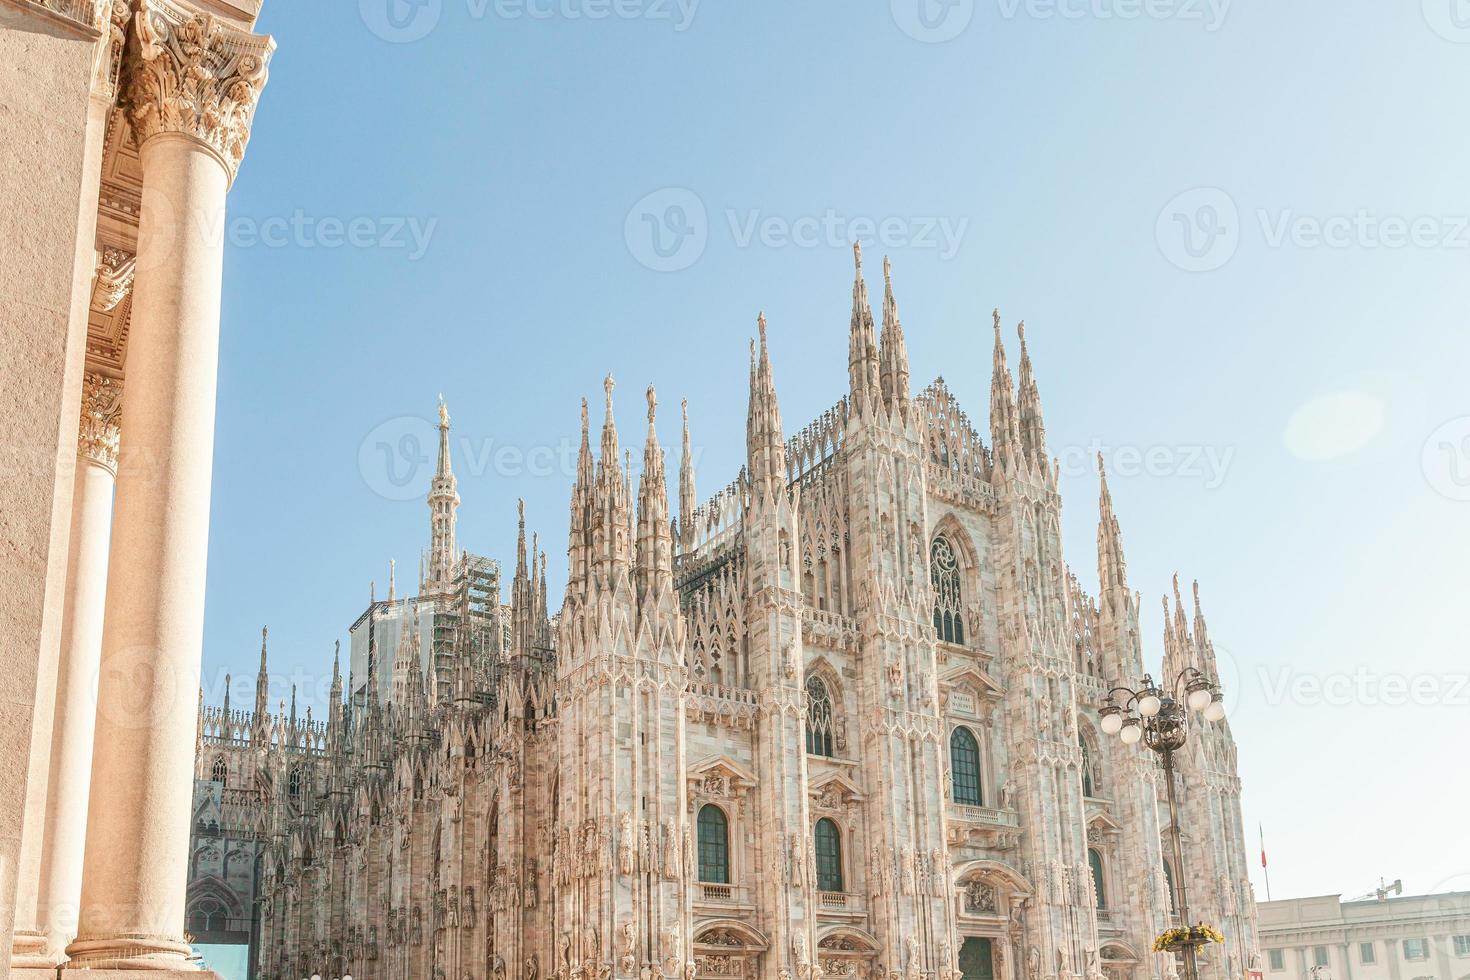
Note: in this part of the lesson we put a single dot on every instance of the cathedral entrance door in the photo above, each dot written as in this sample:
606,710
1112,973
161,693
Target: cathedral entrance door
975,959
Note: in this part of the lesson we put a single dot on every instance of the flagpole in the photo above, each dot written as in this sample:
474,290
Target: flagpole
1265,870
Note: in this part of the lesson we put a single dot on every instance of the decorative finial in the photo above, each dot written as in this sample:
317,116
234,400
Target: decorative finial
607,385
1021,331
995,315
684,406
443,412
857,253
652,403
584,416
1101,470
760,322
887,271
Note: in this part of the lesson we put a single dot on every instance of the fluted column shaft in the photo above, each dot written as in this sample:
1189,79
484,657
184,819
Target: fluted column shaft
81,651
191,85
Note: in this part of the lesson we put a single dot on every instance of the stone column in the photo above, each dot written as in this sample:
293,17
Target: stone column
81,650
190,89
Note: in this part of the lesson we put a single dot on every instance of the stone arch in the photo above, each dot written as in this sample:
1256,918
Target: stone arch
967,562
821,669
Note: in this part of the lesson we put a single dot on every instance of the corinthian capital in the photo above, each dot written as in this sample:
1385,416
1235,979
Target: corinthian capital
101,409
190,74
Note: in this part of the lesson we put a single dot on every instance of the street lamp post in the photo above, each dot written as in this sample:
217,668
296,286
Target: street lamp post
1159,717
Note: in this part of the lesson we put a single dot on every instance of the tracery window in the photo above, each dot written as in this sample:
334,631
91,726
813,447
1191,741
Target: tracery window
220,773
1169,884
944,578
714,845
1089,783
829,856
964,767
818,717
1099,887
293,782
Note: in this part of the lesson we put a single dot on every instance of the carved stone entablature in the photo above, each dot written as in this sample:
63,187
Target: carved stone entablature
192,75
97,438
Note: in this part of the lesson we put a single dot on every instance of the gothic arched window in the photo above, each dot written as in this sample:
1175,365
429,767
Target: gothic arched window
1089,785
1099,888
829,856
220,773
944,578
818,717
293,782
714,845
964,767
1169,884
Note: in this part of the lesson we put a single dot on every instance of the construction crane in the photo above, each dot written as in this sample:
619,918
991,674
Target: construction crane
1383,891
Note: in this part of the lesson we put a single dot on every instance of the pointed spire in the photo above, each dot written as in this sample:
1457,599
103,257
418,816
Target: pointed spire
520,590
227,696
262,683
765,447
1201,633
392,580
443,503
655,543
893,353
1004,429
862,347
611,507
1112,570
578,557
686,488
1033,431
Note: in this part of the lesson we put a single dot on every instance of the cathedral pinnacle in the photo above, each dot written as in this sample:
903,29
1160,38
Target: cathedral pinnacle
443,503
862,346
893,353
1004,426
765,448
1033,431
655,543
686,487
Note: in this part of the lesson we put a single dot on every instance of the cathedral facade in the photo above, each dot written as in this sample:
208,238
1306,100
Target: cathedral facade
839,720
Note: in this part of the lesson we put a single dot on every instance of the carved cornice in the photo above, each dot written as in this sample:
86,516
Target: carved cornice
188,74
97,439
114,280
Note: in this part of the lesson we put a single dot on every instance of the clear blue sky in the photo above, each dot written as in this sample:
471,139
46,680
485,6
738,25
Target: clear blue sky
1286,368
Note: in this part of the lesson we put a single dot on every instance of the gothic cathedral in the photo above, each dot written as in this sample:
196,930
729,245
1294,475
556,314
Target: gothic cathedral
840,720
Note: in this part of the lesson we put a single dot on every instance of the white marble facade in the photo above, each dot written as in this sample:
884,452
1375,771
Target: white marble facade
837,721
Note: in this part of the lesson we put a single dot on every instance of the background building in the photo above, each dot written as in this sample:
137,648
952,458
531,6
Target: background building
1416,937
839,720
